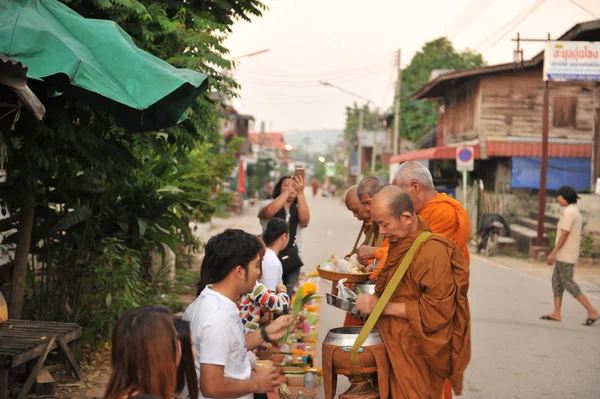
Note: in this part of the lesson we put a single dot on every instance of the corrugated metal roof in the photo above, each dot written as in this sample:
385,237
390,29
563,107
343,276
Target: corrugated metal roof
430,153
501,149
555,150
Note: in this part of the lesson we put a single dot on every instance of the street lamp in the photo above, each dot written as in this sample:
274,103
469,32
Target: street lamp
360,129
288,147
321,159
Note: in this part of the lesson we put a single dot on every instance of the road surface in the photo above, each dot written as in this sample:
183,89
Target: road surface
514,354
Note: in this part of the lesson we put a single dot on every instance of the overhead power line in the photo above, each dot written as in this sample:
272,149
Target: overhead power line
455,22
469,19
507,28
327,33
584,9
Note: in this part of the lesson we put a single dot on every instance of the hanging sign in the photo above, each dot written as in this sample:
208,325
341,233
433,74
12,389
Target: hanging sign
572,61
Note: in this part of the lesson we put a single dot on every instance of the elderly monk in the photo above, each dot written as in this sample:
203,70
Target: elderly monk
426,324
443,214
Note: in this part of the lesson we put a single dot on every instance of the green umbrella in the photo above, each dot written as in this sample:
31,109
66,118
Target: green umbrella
96,62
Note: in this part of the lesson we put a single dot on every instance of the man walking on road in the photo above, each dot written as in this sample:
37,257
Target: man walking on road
565,255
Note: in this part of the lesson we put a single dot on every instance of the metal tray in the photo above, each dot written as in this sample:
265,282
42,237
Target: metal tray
344,304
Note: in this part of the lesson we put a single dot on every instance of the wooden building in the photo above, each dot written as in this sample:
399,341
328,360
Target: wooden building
498,109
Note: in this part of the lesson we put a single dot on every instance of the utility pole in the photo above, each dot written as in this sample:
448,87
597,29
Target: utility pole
261,140
374,152
307,142
358,132
397,98
545,139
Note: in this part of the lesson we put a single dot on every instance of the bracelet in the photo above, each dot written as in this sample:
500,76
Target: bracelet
263,332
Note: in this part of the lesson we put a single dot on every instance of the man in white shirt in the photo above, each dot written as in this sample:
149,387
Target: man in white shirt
565,255
232,261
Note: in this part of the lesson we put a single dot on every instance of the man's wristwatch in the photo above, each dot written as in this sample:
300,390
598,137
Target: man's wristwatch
263,332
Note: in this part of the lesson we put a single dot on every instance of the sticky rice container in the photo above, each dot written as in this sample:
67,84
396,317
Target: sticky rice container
263,365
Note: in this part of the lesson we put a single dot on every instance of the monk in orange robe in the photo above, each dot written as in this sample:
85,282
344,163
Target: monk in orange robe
426,325
443,214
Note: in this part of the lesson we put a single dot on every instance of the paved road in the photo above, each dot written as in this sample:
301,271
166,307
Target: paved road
515,355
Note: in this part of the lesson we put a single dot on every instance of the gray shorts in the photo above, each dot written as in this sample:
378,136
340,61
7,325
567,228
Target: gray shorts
562,279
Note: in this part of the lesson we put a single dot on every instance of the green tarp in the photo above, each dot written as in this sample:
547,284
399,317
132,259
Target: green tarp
96,62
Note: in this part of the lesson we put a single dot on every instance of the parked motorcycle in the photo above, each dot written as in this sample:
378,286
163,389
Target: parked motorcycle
490,228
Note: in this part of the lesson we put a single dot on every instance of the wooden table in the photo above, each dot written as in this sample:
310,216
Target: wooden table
25,340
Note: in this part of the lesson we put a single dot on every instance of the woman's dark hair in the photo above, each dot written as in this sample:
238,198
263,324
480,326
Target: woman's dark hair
569,194
277,188
144,354
275,229
223,253
186,372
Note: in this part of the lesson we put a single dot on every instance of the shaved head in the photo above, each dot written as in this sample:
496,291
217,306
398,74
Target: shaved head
353,204
394,213
350,193
366,189
416,180
396,199
369,185
413,171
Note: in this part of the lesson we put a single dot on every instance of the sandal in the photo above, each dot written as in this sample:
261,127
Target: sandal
547,317
591,321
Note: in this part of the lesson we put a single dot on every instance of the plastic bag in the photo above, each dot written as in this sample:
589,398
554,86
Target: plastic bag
344,292
327,265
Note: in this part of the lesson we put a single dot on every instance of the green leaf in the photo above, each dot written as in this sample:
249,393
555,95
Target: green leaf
142,223
72,218
170,190
108,300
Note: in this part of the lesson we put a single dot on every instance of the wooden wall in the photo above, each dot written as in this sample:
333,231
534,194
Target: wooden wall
460,106
512,105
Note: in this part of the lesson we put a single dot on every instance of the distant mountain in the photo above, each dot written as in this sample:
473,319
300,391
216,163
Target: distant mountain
319,139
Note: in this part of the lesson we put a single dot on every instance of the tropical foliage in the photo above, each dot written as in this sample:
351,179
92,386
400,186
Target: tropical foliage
417,117
87,203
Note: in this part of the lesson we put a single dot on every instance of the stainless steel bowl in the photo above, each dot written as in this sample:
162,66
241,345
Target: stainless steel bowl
346,336
344,304
368,289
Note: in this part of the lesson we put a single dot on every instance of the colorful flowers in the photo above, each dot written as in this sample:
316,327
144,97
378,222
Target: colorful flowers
306,292
309,288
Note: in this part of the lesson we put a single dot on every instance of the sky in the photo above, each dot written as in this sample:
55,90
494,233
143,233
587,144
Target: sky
352,44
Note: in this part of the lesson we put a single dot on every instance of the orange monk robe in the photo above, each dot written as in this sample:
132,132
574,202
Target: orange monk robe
433,343
446,216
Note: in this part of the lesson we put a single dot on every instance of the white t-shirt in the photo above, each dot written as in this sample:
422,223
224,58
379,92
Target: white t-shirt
272,270
218,336
570,221
265,222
